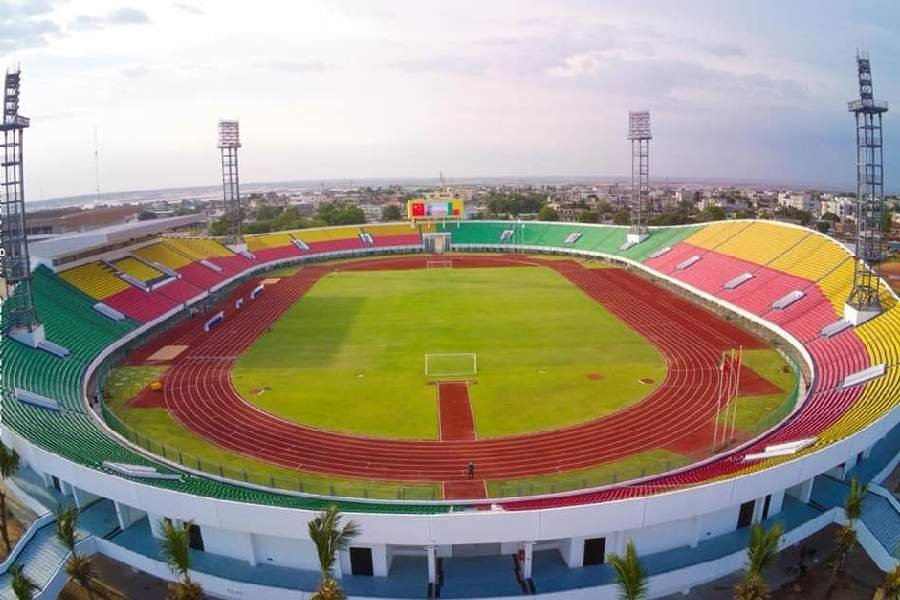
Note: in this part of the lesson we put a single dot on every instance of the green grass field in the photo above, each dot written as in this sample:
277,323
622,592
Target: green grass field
753,411
349,356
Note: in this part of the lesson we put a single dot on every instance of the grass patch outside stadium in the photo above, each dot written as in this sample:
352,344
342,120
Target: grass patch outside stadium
349,356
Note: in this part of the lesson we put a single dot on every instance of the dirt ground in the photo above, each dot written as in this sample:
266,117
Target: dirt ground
118,581
19,517
16,529
858,580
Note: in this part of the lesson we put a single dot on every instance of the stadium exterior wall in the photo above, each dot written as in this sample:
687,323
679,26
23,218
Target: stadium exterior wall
661,516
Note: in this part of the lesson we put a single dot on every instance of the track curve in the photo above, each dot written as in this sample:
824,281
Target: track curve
199,392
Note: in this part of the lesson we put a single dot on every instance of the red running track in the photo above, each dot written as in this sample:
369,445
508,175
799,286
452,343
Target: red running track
199,393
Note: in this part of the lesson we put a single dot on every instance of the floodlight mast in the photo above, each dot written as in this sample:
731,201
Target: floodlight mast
639,134
19,314
229,142
864,301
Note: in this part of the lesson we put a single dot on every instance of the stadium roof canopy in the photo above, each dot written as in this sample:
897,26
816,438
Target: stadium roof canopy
52,248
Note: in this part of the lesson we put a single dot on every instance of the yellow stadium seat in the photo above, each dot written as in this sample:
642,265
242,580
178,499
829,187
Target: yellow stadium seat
164,255
137,269
95,280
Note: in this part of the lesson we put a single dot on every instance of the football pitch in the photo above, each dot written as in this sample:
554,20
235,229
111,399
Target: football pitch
349,356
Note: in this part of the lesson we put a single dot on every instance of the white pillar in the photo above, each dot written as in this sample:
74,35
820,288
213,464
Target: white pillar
432,564
851,462
528,560
573,552
695,533
806,490
757,509
340,559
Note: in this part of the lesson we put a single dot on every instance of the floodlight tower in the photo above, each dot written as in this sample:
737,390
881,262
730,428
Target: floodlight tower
229,142
20,318
864,302
639,134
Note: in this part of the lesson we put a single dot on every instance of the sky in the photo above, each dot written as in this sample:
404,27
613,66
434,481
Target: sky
363,89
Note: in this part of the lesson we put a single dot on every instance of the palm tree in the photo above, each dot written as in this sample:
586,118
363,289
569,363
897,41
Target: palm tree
751,588
175,545
9,464
80,569
78,566
890,589
630,575
845,539
22,587
853,504
846,534
330,538
65,527
761,553
763,547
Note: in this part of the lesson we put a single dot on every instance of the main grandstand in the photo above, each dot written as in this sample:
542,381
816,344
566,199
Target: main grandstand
691,291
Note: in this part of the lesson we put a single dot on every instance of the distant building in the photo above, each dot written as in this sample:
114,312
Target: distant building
798,200
842,206
77,220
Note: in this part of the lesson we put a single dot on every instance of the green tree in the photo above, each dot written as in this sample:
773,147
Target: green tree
338,213
22,587
330,538
622,217
9,464
630,574
218,227
761,553
175,549
391,212
267,212
588,216
712,213
548,213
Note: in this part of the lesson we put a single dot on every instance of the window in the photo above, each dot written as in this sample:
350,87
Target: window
594,551
766,505
361,561
195,537
745,516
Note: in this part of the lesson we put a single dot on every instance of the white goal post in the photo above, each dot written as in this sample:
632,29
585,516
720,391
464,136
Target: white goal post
451,365
438,264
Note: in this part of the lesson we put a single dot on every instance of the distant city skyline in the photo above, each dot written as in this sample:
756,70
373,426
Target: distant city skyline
391,90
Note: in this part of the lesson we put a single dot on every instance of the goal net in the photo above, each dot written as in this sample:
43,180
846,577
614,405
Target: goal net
439,264
451,365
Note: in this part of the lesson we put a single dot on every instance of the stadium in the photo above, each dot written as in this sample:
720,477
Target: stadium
500,405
